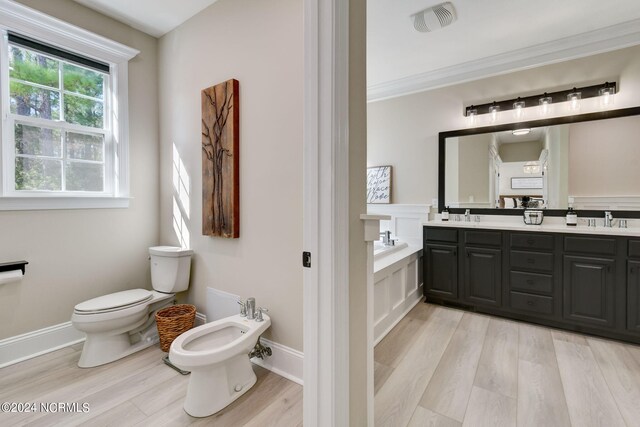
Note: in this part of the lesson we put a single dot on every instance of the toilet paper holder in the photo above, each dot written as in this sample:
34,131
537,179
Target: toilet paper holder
14,265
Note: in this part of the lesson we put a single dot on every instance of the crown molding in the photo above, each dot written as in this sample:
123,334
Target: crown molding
581,45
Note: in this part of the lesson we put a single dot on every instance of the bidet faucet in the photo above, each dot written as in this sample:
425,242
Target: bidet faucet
259,312
243,308
608,219
467,215
251,308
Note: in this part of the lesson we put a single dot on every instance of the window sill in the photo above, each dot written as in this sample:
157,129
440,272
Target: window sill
48,203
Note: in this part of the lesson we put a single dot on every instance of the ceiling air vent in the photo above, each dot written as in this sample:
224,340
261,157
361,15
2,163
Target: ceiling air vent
434,18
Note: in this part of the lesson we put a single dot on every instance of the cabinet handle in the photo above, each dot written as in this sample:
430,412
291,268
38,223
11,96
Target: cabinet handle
608,269
531,303
455,252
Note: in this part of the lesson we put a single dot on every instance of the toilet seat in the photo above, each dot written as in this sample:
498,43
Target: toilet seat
113,302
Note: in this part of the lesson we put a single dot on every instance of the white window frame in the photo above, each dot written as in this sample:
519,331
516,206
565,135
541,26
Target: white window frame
27,22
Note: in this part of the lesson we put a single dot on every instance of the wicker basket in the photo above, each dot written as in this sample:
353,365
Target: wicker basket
173,321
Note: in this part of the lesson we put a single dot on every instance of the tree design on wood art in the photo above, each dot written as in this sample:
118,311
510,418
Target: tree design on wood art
220,159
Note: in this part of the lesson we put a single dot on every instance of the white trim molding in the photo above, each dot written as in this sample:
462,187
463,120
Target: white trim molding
326,213
283,361
589,43
32,344
610,203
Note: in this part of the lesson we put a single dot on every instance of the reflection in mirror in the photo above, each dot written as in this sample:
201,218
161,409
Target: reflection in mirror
548,167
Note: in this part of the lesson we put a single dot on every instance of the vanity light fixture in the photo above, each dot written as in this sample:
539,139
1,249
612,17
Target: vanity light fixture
472,113
545,104
572,98
607,93
518,109
493,110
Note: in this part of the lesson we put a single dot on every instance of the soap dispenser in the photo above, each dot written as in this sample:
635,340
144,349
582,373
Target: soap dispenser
445,213
572,217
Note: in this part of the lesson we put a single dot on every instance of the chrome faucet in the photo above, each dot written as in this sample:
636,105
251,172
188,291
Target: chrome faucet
467,215
608,219
386,237
251,308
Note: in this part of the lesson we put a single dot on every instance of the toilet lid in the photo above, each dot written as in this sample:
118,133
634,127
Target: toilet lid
114,301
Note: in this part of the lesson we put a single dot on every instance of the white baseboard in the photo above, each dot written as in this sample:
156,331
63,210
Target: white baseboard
283,361
32,344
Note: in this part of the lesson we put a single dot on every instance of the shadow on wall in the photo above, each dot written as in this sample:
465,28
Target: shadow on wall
181,184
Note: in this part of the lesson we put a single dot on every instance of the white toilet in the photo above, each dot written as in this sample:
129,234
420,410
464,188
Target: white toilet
122,323
217,354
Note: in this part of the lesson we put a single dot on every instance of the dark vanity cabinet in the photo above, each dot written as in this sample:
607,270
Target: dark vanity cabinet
441,253
633,287
578,282
482,268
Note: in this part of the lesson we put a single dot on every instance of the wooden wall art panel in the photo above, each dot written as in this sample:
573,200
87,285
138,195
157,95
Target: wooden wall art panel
220,160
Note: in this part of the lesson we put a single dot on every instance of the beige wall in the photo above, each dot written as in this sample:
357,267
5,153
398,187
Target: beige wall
259,43
403,131
603,158
520,151
79,254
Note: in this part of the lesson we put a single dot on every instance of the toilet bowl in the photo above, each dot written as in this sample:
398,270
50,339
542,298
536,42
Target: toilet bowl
217,355
123,323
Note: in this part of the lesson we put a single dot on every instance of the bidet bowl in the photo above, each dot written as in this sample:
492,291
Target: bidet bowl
216,341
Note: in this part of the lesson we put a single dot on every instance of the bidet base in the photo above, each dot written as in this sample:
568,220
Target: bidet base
213,388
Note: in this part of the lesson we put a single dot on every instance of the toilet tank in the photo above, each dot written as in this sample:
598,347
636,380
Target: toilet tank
170,268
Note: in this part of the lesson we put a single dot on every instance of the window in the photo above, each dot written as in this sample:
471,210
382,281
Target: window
64,124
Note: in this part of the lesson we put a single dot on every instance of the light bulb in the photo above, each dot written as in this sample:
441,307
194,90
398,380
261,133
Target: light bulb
574,100
606,95
518,109
494,109
545,105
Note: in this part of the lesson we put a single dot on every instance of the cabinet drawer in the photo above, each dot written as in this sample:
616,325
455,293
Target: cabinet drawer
532,303
532,241
634,248
535,261
531,282
487,238
590,245
441,235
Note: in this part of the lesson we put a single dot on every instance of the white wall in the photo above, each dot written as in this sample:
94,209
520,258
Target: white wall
259,43
403,131
75,255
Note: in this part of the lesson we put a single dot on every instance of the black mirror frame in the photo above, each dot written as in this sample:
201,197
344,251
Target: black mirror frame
442,136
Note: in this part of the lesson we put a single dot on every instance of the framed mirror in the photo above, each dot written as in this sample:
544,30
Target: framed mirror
590,161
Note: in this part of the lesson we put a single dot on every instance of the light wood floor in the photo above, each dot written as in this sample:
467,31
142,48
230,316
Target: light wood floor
137,390
446,367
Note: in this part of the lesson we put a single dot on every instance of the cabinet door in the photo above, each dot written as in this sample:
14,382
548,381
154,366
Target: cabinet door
589,290
441,271
483,276
633,296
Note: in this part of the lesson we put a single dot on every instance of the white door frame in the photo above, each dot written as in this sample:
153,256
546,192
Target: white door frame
326,213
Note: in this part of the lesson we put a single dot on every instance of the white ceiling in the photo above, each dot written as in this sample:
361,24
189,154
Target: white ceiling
486,28
489,36
154,17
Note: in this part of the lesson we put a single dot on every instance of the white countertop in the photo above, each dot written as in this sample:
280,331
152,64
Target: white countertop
550,224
